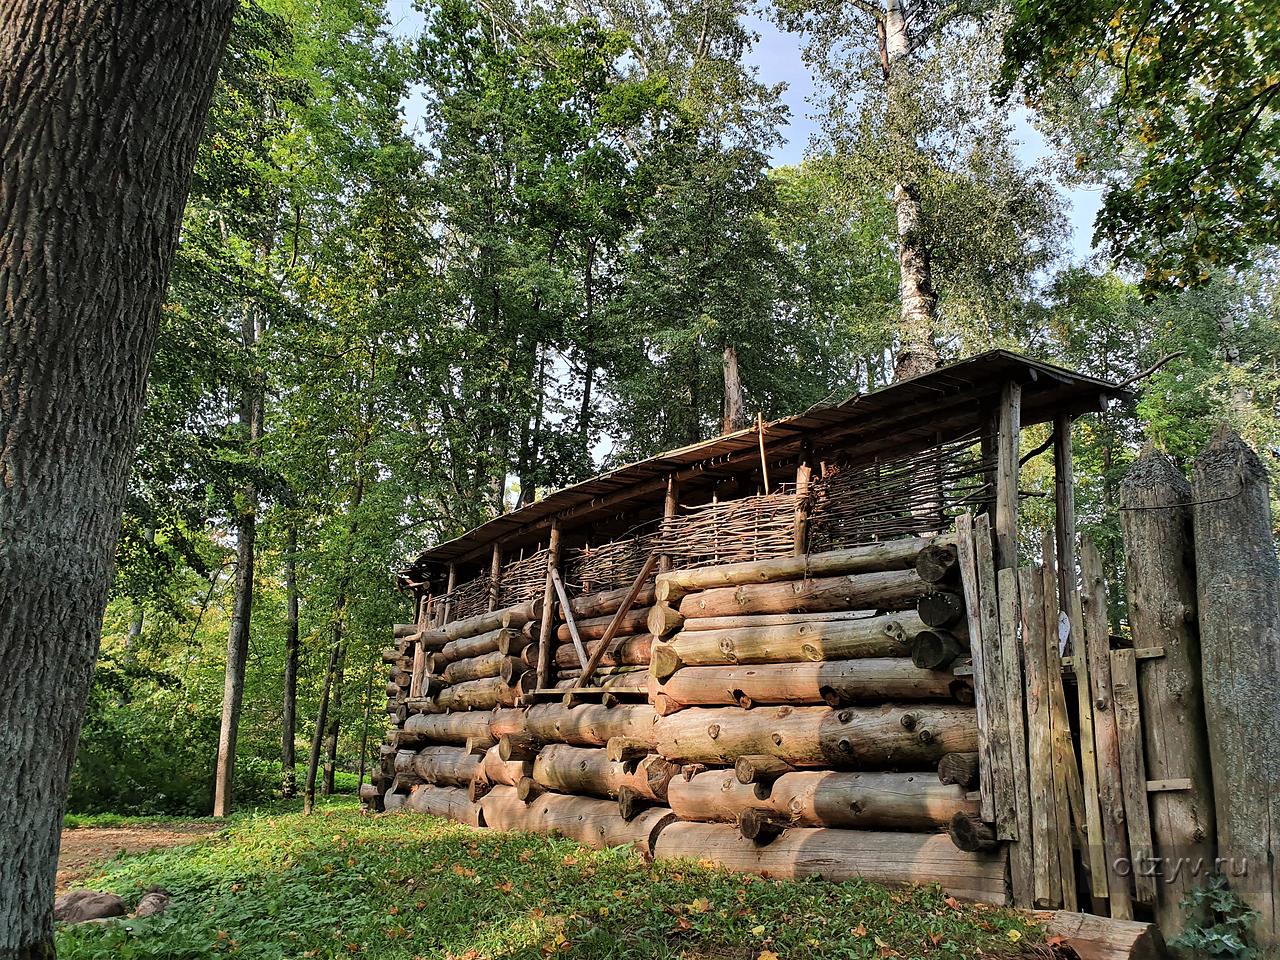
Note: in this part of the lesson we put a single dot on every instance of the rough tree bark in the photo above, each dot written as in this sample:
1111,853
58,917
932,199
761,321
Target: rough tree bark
1238,593
242,606
289,710
735,407
101,108
917,352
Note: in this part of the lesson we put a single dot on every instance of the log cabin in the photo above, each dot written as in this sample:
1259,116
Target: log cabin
805,648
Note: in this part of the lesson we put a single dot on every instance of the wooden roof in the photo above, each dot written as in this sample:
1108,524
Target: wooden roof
943,404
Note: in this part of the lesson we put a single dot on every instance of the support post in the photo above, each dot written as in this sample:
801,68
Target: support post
804,473
495,577
448,592
1008,430
669,506
546,659
1064,525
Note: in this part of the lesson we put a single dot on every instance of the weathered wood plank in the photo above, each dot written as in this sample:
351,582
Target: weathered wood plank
1133,770
967,555
1022,870
1047,877
1006,816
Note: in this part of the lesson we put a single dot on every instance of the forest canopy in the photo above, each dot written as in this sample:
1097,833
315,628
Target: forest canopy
427,275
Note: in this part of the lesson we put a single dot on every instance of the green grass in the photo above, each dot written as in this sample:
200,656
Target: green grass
342,884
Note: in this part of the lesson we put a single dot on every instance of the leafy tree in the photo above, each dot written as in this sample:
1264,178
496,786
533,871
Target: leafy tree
1172,106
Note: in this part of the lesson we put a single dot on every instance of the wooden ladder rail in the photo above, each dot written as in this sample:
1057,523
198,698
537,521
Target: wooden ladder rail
568,617
616,622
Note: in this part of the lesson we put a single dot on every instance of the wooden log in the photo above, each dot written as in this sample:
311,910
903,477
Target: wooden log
626,748
507,720
758,768
884,636
595,823
969,833
591,725
369,793
630,651
546,625
511,617
834,682
774,620
1155,515
1008,430
1047,878
465,648
1115,837
443,766
605,603
940,608
630,803
960,769
446,727
513,643
1021,866
528,790
402,631
761,825
567,769
663,620
634,622
713,795
1133,771
392,801
451,802
869,558
495,770
1069,802
630,682
888,735
473,668
888,590
938,563
477,695
843,855
518,746
512,669
1097,938
868,800
935,650
391,655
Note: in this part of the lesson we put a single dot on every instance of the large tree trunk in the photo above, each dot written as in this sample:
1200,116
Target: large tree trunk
917,352
101,106
242,609
735,407
1238,587
289,709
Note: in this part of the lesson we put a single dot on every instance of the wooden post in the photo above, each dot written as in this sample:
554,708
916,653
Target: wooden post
1111,796
448,591
1069,604
1008,430
495,577
1047,878
1133,771
1238,592
670,504
804,473
546,630
1155,513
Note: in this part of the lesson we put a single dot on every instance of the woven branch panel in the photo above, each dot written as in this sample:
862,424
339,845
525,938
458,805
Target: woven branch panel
466,599
921,494
523,579
753,528
608,565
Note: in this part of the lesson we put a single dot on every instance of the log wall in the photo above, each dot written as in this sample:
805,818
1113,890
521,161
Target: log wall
788,715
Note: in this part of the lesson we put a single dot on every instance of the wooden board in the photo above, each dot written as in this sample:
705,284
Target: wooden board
1047,878
1065,773
967,554
1133,770
1006,816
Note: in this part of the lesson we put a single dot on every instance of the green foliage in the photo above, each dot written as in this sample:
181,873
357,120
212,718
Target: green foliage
1189,90
1219,923
394,886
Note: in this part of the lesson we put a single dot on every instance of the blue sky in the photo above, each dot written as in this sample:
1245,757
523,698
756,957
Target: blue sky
777,57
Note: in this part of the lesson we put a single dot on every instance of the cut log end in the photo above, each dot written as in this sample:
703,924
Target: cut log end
622,749
518,746
528,789
630,803
938,563
760,769
935,649
940,608
960,769
761,825
971,835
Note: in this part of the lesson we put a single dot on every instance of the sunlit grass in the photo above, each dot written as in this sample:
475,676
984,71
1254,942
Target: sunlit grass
342,884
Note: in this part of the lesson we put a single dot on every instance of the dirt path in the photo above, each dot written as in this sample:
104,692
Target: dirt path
85,848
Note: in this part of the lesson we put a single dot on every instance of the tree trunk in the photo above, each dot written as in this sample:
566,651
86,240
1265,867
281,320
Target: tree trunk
242,610
335,720
917,351
1238,587
317,739
735,407
102,107
289,708
1155,512
364,726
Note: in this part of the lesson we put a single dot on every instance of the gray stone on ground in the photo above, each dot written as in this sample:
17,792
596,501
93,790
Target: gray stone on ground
155,900
78,906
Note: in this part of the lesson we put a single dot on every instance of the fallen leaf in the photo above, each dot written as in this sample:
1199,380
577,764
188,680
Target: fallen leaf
953,903
1013,935
859,931
757,931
